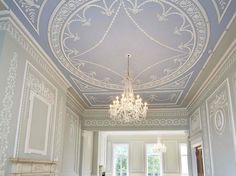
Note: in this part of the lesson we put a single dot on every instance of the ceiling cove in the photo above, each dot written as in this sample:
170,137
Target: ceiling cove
169,40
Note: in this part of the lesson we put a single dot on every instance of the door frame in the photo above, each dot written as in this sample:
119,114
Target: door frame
195,143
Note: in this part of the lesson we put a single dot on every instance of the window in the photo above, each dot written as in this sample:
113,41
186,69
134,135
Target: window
120,160
153,161
184,158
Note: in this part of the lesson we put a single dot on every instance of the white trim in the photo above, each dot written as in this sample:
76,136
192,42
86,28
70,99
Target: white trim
215,70
112,154
36,28
165,141
94,105
33,95
231,118
20,110
220,16
54,121
194,143
146,163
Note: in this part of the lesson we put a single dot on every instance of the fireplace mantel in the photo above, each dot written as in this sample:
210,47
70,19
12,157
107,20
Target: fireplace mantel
29,167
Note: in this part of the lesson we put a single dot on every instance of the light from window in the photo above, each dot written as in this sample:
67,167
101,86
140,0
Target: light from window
120,160
184,158
153,161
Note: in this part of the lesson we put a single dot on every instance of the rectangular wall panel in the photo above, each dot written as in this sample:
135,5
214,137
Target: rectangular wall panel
171,157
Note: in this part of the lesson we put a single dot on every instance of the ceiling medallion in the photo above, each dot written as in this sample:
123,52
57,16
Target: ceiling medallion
128,108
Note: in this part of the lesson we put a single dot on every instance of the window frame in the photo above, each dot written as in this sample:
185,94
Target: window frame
180,158
146,160
113,160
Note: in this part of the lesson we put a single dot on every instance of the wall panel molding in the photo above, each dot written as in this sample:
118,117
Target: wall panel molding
33,97
214,79
71,148
59,136
36,84
162,122
6,111
221,128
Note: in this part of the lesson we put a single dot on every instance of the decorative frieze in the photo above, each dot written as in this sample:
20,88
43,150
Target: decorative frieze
7,24
146,123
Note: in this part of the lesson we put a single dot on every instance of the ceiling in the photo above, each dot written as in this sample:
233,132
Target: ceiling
169,40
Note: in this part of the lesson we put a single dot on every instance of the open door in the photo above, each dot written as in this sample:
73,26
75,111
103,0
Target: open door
198,152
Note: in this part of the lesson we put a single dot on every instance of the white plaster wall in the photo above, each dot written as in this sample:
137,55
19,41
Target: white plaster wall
71,147
87,154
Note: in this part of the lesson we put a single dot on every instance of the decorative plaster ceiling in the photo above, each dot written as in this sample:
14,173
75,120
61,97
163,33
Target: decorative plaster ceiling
169,40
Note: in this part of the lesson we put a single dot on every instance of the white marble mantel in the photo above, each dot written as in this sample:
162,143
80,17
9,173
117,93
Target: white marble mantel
28,167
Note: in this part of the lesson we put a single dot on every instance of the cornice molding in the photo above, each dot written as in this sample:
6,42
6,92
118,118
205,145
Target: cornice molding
152,113
10,24
160,122
227,62
218,57
74,104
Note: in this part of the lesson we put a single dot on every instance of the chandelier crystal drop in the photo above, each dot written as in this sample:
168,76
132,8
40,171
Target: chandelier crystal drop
128,108
159,147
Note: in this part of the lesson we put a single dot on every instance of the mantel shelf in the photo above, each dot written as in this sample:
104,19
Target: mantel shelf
24,160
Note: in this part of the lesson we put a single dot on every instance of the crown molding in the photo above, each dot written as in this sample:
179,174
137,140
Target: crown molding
152,113
219,56
73,103
226,63
10,23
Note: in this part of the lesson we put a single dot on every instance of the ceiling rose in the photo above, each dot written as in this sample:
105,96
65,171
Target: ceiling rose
168,38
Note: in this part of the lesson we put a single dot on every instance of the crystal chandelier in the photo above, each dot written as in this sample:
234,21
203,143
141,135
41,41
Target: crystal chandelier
159,147
128,108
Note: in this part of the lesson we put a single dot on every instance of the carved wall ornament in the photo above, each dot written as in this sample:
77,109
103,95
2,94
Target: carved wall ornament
220,121
39,87
32,10
218,110
6,111
221,7
35,83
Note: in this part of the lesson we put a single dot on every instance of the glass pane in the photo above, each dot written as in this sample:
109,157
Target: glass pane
183,149
153,161
184,164
120,156
184,158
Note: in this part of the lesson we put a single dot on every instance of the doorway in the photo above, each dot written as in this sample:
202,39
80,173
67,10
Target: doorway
199,160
